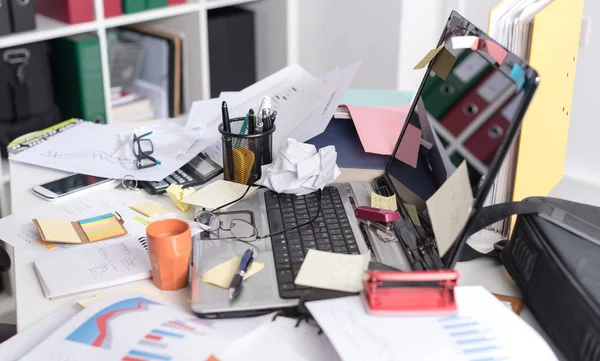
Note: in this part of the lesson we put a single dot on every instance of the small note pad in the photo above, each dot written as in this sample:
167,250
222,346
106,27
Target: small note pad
149,209
449,208
381,202
222,274
333,271
57,231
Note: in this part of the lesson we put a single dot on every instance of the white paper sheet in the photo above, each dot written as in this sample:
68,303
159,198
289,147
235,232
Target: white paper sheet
19,345
19,231
483,329
333,271
88,149
123,331
280,340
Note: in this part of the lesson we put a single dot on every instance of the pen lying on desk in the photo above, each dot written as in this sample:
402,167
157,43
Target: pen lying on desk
238,279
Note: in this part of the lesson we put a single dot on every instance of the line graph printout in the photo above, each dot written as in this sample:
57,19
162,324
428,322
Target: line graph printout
90,148
134,327
483,329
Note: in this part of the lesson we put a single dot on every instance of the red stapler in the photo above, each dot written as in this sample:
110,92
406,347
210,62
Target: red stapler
410,293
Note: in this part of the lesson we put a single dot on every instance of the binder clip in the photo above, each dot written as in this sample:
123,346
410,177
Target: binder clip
410,293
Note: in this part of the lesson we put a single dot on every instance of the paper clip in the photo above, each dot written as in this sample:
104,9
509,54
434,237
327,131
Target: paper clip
411,293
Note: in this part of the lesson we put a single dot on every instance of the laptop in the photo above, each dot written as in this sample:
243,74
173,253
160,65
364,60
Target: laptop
472,114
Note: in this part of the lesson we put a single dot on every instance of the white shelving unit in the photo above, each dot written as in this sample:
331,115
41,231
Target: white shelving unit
190,19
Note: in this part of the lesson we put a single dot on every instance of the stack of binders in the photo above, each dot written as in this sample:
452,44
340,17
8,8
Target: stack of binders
134,6
534,29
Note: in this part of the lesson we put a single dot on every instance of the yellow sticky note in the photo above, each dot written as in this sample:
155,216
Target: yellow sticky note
443,64
381,202
450,207
413,214
149,209
221,275
58,231
429,57
176,193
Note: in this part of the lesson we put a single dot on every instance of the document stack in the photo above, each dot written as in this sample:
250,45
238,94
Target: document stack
546,33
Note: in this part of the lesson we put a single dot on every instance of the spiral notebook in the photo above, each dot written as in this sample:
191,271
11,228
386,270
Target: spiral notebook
93,267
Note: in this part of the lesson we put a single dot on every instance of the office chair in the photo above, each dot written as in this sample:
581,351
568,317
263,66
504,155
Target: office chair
6,330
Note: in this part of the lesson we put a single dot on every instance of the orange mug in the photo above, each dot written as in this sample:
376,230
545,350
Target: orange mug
169,247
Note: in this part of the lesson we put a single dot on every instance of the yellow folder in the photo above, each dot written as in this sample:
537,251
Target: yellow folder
543,140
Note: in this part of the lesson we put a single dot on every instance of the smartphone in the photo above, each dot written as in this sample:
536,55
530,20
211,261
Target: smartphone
68,185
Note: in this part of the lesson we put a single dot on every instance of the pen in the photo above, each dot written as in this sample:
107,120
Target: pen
252,124
228,150
238,279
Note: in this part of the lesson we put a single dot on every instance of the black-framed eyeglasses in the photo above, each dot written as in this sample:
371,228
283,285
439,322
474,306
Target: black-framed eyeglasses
143,149
239,229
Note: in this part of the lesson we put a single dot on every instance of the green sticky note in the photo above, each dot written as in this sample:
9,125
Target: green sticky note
142,220
377,97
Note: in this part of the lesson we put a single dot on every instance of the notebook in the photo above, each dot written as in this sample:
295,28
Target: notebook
87,230
93,267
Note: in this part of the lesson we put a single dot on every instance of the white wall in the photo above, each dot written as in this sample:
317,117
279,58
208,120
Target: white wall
583,152
333,33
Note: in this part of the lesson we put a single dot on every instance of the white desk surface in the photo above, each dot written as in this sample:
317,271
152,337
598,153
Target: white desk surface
33,306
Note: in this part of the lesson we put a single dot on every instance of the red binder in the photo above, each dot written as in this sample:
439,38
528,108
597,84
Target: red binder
486,140
113,8
68,11
175,2
481,102
419,292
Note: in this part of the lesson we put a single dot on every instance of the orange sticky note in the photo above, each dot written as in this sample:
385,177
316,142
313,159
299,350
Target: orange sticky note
379,128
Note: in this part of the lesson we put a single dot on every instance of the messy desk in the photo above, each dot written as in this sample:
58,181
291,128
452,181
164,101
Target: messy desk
310,213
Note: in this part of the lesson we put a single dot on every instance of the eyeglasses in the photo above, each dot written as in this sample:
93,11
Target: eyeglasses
239,229
143,149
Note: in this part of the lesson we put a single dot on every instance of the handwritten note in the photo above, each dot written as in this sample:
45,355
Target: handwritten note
413,213
429,57
449,208
381,202
332,271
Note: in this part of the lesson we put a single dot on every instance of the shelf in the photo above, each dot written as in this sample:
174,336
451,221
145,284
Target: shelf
215,4
150,15
47,29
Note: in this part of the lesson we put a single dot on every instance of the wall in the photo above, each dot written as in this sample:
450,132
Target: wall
583,152
335,33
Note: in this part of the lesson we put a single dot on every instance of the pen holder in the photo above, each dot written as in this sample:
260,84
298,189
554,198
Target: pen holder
244,154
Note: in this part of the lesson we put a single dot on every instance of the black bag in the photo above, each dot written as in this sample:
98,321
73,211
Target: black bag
554,258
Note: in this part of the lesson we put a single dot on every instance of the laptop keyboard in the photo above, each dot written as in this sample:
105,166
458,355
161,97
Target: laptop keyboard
330,232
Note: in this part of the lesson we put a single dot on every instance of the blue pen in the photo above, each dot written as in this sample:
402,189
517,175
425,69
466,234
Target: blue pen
238,279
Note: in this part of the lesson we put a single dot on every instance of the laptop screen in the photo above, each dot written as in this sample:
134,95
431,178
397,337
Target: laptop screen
468,111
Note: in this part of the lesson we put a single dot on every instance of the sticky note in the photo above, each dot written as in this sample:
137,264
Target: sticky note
449,208
47,245
102,227
222,274
429,57
443,63
141,220
177,193
58,231
149,209
518,75
381,202
494,49
465,42
218,193
333,271
413,213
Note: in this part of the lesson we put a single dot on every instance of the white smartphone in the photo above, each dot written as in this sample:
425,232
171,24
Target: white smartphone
68,185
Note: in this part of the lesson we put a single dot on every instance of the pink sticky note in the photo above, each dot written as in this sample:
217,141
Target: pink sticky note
496,51
379,128
465,42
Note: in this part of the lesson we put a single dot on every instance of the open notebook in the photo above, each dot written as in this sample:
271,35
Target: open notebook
93,267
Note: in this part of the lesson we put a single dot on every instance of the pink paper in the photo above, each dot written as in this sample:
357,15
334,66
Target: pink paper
379,128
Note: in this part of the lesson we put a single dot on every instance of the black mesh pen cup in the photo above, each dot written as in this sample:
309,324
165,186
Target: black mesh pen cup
244,154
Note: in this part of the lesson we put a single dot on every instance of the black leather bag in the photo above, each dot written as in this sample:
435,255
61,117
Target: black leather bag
554,258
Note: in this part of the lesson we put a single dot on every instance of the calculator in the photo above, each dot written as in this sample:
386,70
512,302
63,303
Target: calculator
199,170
